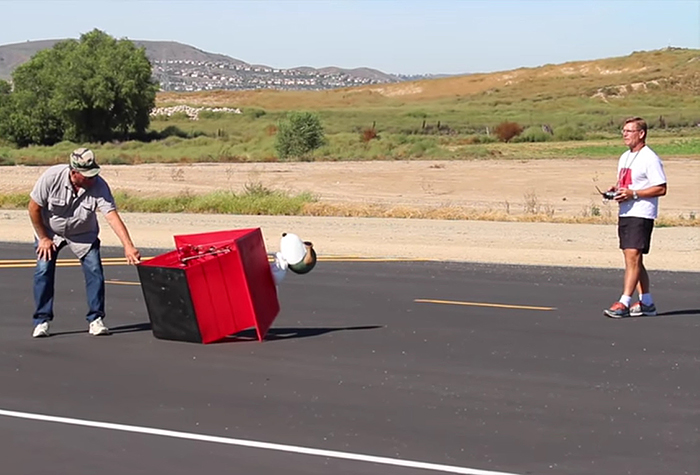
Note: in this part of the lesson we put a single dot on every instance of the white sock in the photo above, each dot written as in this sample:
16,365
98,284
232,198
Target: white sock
646,299
626,300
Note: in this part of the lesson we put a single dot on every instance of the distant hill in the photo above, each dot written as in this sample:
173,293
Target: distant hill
664,71
180,67
13,55
643,77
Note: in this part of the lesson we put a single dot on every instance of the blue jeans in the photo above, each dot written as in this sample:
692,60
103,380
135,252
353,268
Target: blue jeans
45,277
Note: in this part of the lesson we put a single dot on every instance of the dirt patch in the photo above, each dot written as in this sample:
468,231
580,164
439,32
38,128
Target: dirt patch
512,186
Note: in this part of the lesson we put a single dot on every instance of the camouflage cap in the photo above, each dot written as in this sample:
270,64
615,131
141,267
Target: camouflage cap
83,160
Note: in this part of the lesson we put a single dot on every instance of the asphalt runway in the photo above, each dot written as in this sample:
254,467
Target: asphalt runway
371,368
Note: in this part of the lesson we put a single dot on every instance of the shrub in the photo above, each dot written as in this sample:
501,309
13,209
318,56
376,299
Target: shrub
568,132
299,134
117,160
6,160
172,140
681,121
506,131
419,114
14,200
422,147
254,113
208,114
533,134
477,139
369,134
172,131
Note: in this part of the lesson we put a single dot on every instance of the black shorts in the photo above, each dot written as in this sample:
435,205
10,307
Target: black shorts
635,233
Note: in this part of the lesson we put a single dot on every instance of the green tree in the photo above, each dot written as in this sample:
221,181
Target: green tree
298,134
91,90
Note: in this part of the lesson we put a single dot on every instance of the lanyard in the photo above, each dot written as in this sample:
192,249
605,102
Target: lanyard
628,162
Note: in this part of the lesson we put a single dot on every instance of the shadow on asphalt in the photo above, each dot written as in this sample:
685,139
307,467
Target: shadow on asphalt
246,335
693,311
135,327
72,332
288,332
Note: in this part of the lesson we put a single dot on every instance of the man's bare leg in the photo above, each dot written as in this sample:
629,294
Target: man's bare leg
643,287
635,272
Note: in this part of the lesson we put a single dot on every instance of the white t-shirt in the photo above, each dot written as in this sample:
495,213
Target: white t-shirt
638,171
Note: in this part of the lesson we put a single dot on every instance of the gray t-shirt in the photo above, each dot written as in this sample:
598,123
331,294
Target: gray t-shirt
70,216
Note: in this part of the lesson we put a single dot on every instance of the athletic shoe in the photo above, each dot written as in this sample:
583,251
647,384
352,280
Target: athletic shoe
641,310
41,330
97,327
617,310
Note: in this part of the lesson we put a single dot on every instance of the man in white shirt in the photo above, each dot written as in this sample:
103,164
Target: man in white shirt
640,182
63,211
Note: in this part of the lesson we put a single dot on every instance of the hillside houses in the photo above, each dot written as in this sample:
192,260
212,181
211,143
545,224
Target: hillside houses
190,75
180,67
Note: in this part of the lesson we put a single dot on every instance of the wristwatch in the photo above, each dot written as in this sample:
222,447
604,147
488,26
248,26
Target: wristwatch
635,196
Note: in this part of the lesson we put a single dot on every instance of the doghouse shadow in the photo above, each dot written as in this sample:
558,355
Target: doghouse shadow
287,333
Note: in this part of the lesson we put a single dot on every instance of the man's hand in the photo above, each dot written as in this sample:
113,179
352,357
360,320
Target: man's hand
45,249
623,194
133,256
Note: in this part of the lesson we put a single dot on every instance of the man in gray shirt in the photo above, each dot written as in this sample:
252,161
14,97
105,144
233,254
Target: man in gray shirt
63,211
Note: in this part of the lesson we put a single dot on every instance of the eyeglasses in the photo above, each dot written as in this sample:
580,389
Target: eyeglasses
628,131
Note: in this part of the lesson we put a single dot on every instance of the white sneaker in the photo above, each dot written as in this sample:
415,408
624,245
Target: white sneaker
97,327
41,330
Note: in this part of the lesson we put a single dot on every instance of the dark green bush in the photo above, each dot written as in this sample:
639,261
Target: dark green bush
299,134
533,134
568,132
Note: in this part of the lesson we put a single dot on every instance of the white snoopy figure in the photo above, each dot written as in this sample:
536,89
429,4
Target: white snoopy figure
295,254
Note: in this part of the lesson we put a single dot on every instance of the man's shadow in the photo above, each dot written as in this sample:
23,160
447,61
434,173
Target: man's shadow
675,313
134,327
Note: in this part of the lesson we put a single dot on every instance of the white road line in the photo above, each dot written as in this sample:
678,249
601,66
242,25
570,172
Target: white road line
252,443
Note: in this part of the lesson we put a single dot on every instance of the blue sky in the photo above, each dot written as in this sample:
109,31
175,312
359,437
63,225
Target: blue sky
410,37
